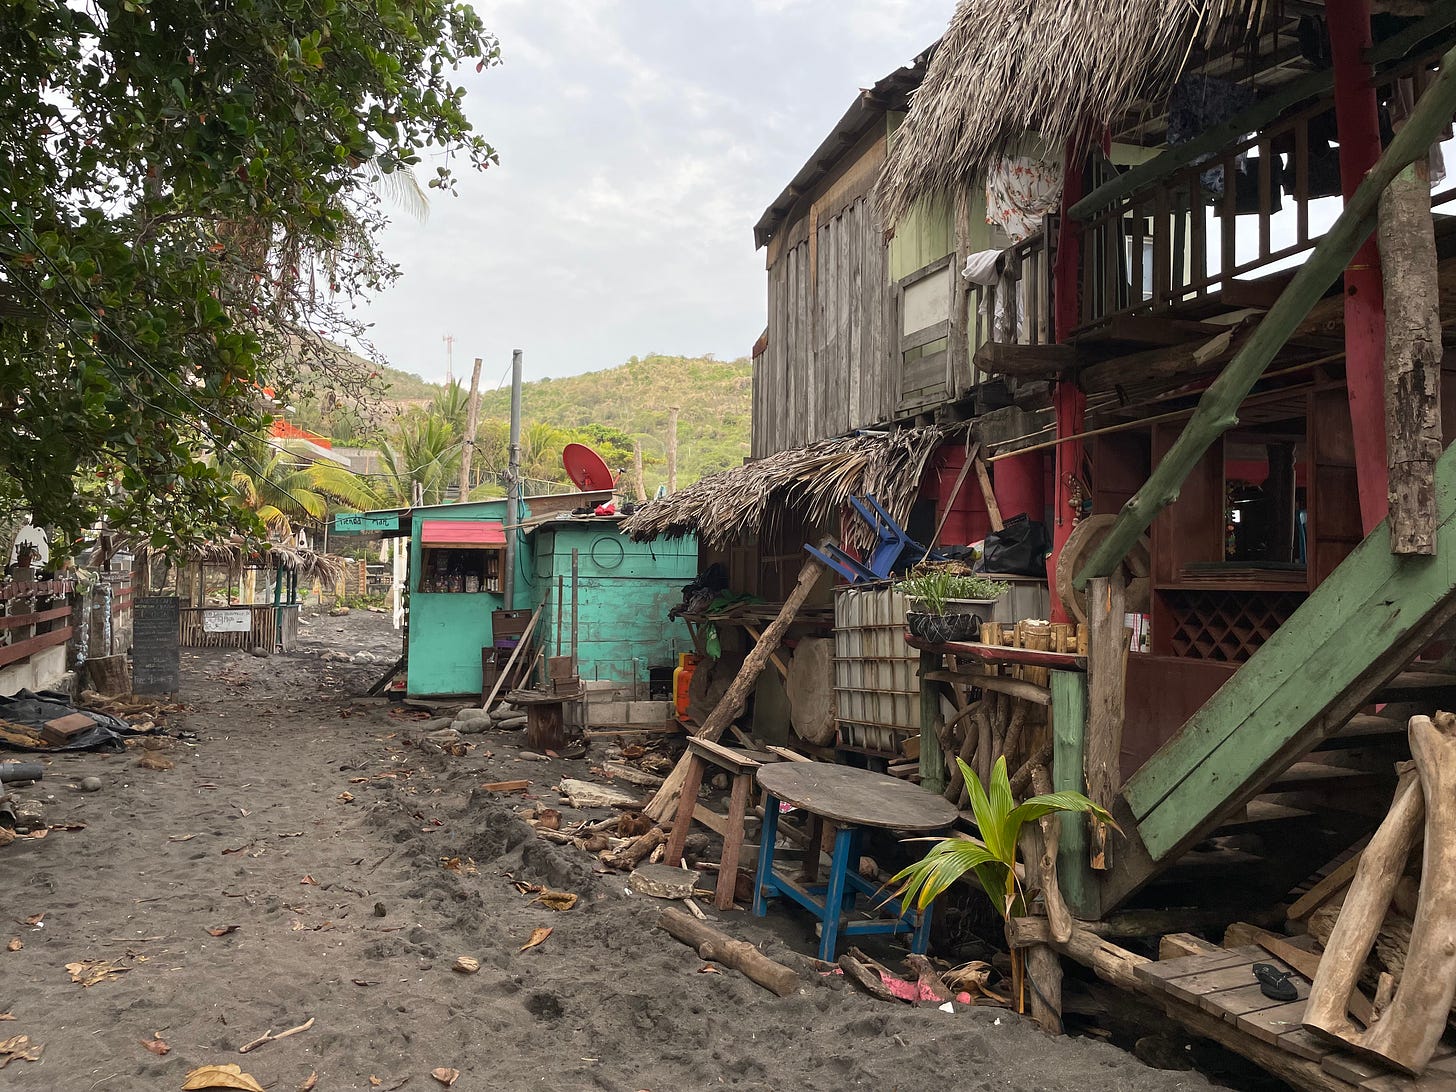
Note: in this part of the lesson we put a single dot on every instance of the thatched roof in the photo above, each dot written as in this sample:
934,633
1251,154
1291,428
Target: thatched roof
1006,67
268,555
815,482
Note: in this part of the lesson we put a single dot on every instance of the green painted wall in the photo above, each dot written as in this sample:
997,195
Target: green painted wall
447,631
624,591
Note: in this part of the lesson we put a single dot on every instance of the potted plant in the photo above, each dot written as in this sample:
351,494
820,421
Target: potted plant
948,605
992,857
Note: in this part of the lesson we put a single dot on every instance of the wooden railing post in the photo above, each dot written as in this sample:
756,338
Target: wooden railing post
1218,407
1069,742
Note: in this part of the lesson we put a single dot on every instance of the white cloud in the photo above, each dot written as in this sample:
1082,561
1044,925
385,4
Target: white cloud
639,141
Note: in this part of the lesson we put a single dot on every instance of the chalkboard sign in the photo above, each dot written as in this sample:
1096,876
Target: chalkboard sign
156,658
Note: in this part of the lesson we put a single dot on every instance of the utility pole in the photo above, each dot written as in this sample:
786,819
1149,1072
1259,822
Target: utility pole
472,420
449,340
638,484
672,449
513,484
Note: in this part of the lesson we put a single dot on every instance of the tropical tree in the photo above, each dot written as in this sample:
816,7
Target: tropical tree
422,451
992,857
187,212
277,488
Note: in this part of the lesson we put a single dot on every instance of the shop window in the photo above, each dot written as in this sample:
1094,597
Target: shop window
457,569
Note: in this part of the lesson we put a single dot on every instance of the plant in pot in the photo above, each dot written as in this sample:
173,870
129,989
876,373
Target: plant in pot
948,605
992,857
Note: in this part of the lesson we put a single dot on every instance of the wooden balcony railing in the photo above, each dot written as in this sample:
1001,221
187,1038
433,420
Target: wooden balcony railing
1203,231
1017,309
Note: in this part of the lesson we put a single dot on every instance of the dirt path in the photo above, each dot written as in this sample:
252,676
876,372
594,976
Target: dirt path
345,915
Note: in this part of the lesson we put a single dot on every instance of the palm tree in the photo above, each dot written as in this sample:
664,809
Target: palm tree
279,490
423,451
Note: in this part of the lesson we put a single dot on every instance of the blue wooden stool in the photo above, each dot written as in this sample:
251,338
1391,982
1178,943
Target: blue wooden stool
853,800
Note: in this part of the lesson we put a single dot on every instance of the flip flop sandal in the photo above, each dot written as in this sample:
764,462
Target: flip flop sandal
1274,983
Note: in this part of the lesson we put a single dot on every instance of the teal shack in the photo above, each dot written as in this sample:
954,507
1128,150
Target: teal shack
624,590
455,574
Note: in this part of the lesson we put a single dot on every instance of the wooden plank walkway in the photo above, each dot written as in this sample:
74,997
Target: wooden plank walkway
1222,984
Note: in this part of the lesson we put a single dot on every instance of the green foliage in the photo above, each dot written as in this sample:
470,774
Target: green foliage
187,187
992,858
933,588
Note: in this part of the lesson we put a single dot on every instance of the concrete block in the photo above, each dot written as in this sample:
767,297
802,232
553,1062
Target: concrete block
648,712
610,712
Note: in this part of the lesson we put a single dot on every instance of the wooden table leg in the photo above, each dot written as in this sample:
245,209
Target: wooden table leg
814,829
732,841
834,896
920,939
692,782
767,835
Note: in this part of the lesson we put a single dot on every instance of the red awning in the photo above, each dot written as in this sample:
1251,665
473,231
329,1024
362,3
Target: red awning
459,532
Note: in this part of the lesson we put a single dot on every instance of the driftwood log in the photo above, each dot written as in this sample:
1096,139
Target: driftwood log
738,954
664,803
1406,1033
1412,357
628,856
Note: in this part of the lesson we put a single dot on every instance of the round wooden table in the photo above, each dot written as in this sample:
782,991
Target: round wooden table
853,800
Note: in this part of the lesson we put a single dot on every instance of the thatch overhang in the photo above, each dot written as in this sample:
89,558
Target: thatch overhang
1008,67
237,554
816,482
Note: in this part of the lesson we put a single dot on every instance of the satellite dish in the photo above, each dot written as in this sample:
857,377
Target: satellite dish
586,468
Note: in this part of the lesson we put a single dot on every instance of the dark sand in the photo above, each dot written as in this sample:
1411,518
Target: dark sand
345,915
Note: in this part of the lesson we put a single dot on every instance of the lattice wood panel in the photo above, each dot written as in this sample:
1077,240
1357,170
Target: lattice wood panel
1226,625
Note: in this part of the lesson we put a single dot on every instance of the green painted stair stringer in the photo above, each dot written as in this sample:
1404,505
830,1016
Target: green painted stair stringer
1356,631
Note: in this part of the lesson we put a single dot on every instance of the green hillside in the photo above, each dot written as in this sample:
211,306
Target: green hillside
634,399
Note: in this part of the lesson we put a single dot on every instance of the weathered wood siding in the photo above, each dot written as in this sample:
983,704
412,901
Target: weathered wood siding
828,367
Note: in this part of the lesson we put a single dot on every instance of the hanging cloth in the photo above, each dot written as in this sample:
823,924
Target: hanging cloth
1402,102
1020,191
1198,102
986,268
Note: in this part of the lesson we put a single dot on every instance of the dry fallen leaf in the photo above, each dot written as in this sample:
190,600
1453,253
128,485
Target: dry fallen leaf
40,833
309,880
154,761
19,1049
447,1077
220,1076
182,837
346,798
222,930
6,836
466,964
539,934
556,900
308,1085
7,1016
34,919
88,972
15,945
375,1081
708,968
156,1045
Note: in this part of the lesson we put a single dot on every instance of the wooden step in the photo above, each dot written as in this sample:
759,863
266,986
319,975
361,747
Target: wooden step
1412,684
1370,724
1258,813
1307,775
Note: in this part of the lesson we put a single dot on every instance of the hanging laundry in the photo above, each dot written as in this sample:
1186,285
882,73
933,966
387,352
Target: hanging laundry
986,268
1020,191
1402,102
1198,102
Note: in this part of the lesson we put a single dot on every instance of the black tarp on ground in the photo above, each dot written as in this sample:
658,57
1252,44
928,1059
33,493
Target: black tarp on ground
31,709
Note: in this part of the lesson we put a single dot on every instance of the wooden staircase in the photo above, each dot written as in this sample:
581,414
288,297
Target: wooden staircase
1291,761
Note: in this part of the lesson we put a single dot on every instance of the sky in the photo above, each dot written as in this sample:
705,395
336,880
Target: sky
639,141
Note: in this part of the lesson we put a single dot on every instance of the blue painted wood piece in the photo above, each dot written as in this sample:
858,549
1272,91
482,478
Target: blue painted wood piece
831,902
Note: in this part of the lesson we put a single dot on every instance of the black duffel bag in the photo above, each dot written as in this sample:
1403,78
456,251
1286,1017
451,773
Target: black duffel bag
1020,547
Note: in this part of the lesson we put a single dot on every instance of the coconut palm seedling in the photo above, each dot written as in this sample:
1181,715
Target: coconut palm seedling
992,857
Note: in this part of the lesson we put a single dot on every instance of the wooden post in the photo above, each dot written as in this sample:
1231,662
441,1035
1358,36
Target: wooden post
1412,358
472,421
932,756
1358,121
733,698
1069,728
1106,674
738,954
672,449
1218,407
638,484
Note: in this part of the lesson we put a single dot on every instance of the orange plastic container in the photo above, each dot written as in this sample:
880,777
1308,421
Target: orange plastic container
682,679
